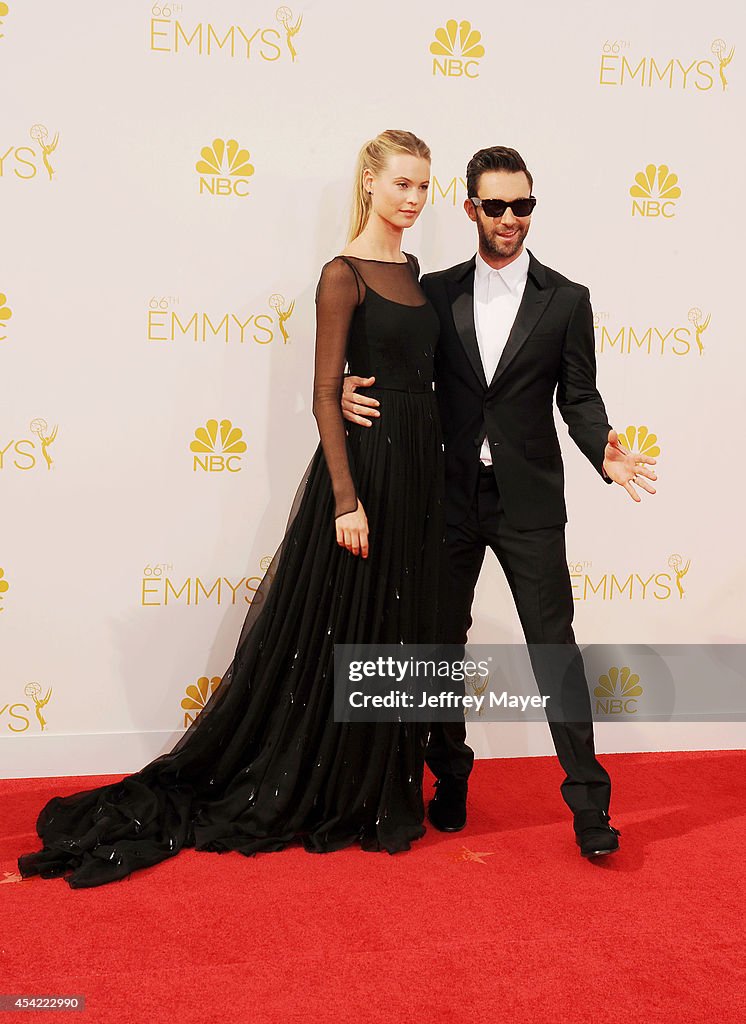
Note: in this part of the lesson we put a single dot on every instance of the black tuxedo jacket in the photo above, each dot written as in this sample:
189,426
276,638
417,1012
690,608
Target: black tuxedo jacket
551,346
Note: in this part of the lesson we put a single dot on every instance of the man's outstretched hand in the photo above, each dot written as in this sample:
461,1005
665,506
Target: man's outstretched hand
628,468
623,467
356,407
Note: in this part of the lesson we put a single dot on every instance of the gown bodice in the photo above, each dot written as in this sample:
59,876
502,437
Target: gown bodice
394,331
373,317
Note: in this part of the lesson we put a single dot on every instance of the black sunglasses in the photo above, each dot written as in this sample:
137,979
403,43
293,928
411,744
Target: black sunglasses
497,207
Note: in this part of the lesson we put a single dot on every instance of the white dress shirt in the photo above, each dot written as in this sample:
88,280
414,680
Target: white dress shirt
497,296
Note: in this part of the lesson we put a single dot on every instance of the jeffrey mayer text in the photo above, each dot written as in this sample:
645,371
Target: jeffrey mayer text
445,699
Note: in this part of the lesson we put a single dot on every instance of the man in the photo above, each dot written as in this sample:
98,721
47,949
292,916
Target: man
513,331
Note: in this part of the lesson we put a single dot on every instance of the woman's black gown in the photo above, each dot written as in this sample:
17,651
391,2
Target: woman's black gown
264,764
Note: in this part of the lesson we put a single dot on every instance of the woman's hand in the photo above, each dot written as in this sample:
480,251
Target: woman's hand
352,531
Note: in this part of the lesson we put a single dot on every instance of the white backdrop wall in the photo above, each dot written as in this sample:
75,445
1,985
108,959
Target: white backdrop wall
156,276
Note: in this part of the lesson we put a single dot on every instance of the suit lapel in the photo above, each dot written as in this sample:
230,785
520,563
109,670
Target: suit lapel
535,299
461,293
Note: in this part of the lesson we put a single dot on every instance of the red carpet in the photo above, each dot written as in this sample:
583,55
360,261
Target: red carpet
503,922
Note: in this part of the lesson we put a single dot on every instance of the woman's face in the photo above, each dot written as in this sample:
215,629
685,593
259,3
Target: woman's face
400,191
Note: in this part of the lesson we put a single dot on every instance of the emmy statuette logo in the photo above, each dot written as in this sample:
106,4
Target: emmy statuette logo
277,301
33,690
718,49
23,453
40,428
40,135
19,712
478,685
22,162
285,17
676,562
700,325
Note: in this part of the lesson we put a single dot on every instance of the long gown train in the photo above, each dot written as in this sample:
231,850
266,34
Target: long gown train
264,764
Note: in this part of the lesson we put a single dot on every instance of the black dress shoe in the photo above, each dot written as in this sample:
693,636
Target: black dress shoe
594,835
447,809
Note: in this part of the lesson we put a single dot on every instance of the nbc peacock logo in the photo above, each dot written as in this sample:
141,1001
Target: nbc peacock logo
218,447
4,588
655,192
197,696
617,692
457,50
224,169
5,314
640,439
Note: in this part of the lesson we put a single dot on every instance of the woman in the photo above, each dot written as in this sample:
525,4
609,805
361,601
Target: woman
264,763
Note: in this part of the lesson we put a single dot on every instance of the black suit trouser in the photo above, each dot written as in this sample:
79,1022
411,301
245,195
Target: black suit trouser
535,565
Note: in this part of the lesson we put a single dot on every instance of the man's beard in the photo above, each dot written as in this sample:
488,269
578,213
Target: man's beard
492,246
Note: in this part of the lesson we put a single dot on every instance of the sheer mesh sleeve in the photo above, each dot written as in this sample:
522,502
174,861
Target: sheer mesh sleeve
337,296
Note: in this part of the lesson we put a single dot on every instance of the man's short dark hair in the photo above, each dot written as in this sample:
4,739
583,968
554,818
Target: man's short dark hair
496,158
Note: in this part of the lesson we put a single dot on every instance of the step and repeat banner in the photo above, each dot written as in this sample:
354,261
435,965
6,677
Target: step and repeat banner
172,179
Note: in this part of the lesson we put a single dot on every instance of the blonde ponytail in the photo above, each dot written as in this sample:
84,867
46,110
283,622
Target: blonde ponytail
372,157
